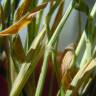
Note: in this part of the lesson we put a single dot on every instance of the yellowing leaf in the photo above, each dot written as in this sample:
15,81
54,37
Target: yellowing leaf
25,20
38,39
22,9
52,2
18,50
38,8
58,16
85,75
37,42
67,68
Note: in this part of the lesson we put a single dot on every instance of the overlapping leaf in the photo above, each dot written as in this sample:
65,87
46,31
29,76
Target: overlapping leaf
86,74
22,9
35,44
18,49
25,20
58,16
6,6
34,54
81,6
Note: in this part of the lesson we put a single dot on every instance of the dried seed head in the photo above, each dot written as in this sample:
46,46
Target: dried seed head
67,68
68,56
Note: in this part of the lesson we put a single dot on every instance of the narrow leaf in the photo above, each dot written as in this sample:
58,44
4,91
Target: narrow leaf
22,9
58,16
25,20
2,17
86,75
36,43
25,72
32,27
18,49
48,19
6,8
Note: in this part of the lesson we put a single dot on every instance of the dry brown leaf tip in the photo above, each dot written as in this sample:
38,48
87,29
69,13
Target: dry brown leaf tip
68,56
24,21
66,66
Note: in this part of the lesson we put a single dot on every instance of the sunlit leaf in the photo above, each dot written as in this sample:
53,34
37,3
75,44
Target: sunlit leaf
85,75
48,19
26,71
13,71
38,8
36,43
22,9
25,20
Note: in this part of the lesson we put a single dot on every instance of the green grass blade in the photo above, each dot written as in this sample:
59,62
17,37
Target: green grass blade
32,32
6,8
28,67
42,75
25,72
14,5
18,50
22,9
49,48
40,17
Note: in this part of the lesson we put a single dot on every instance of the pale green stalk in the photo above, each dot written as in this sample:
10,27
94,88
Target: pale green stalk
40,17
55,66
61,24
28,67
62,92
25,72
87,54
89,42
6,6
80,44
32,32
49,48
14,4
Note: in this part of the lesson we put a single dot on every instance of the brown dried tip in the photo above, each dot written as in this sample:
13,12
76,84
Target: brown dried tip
40,7
68,71
68,56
